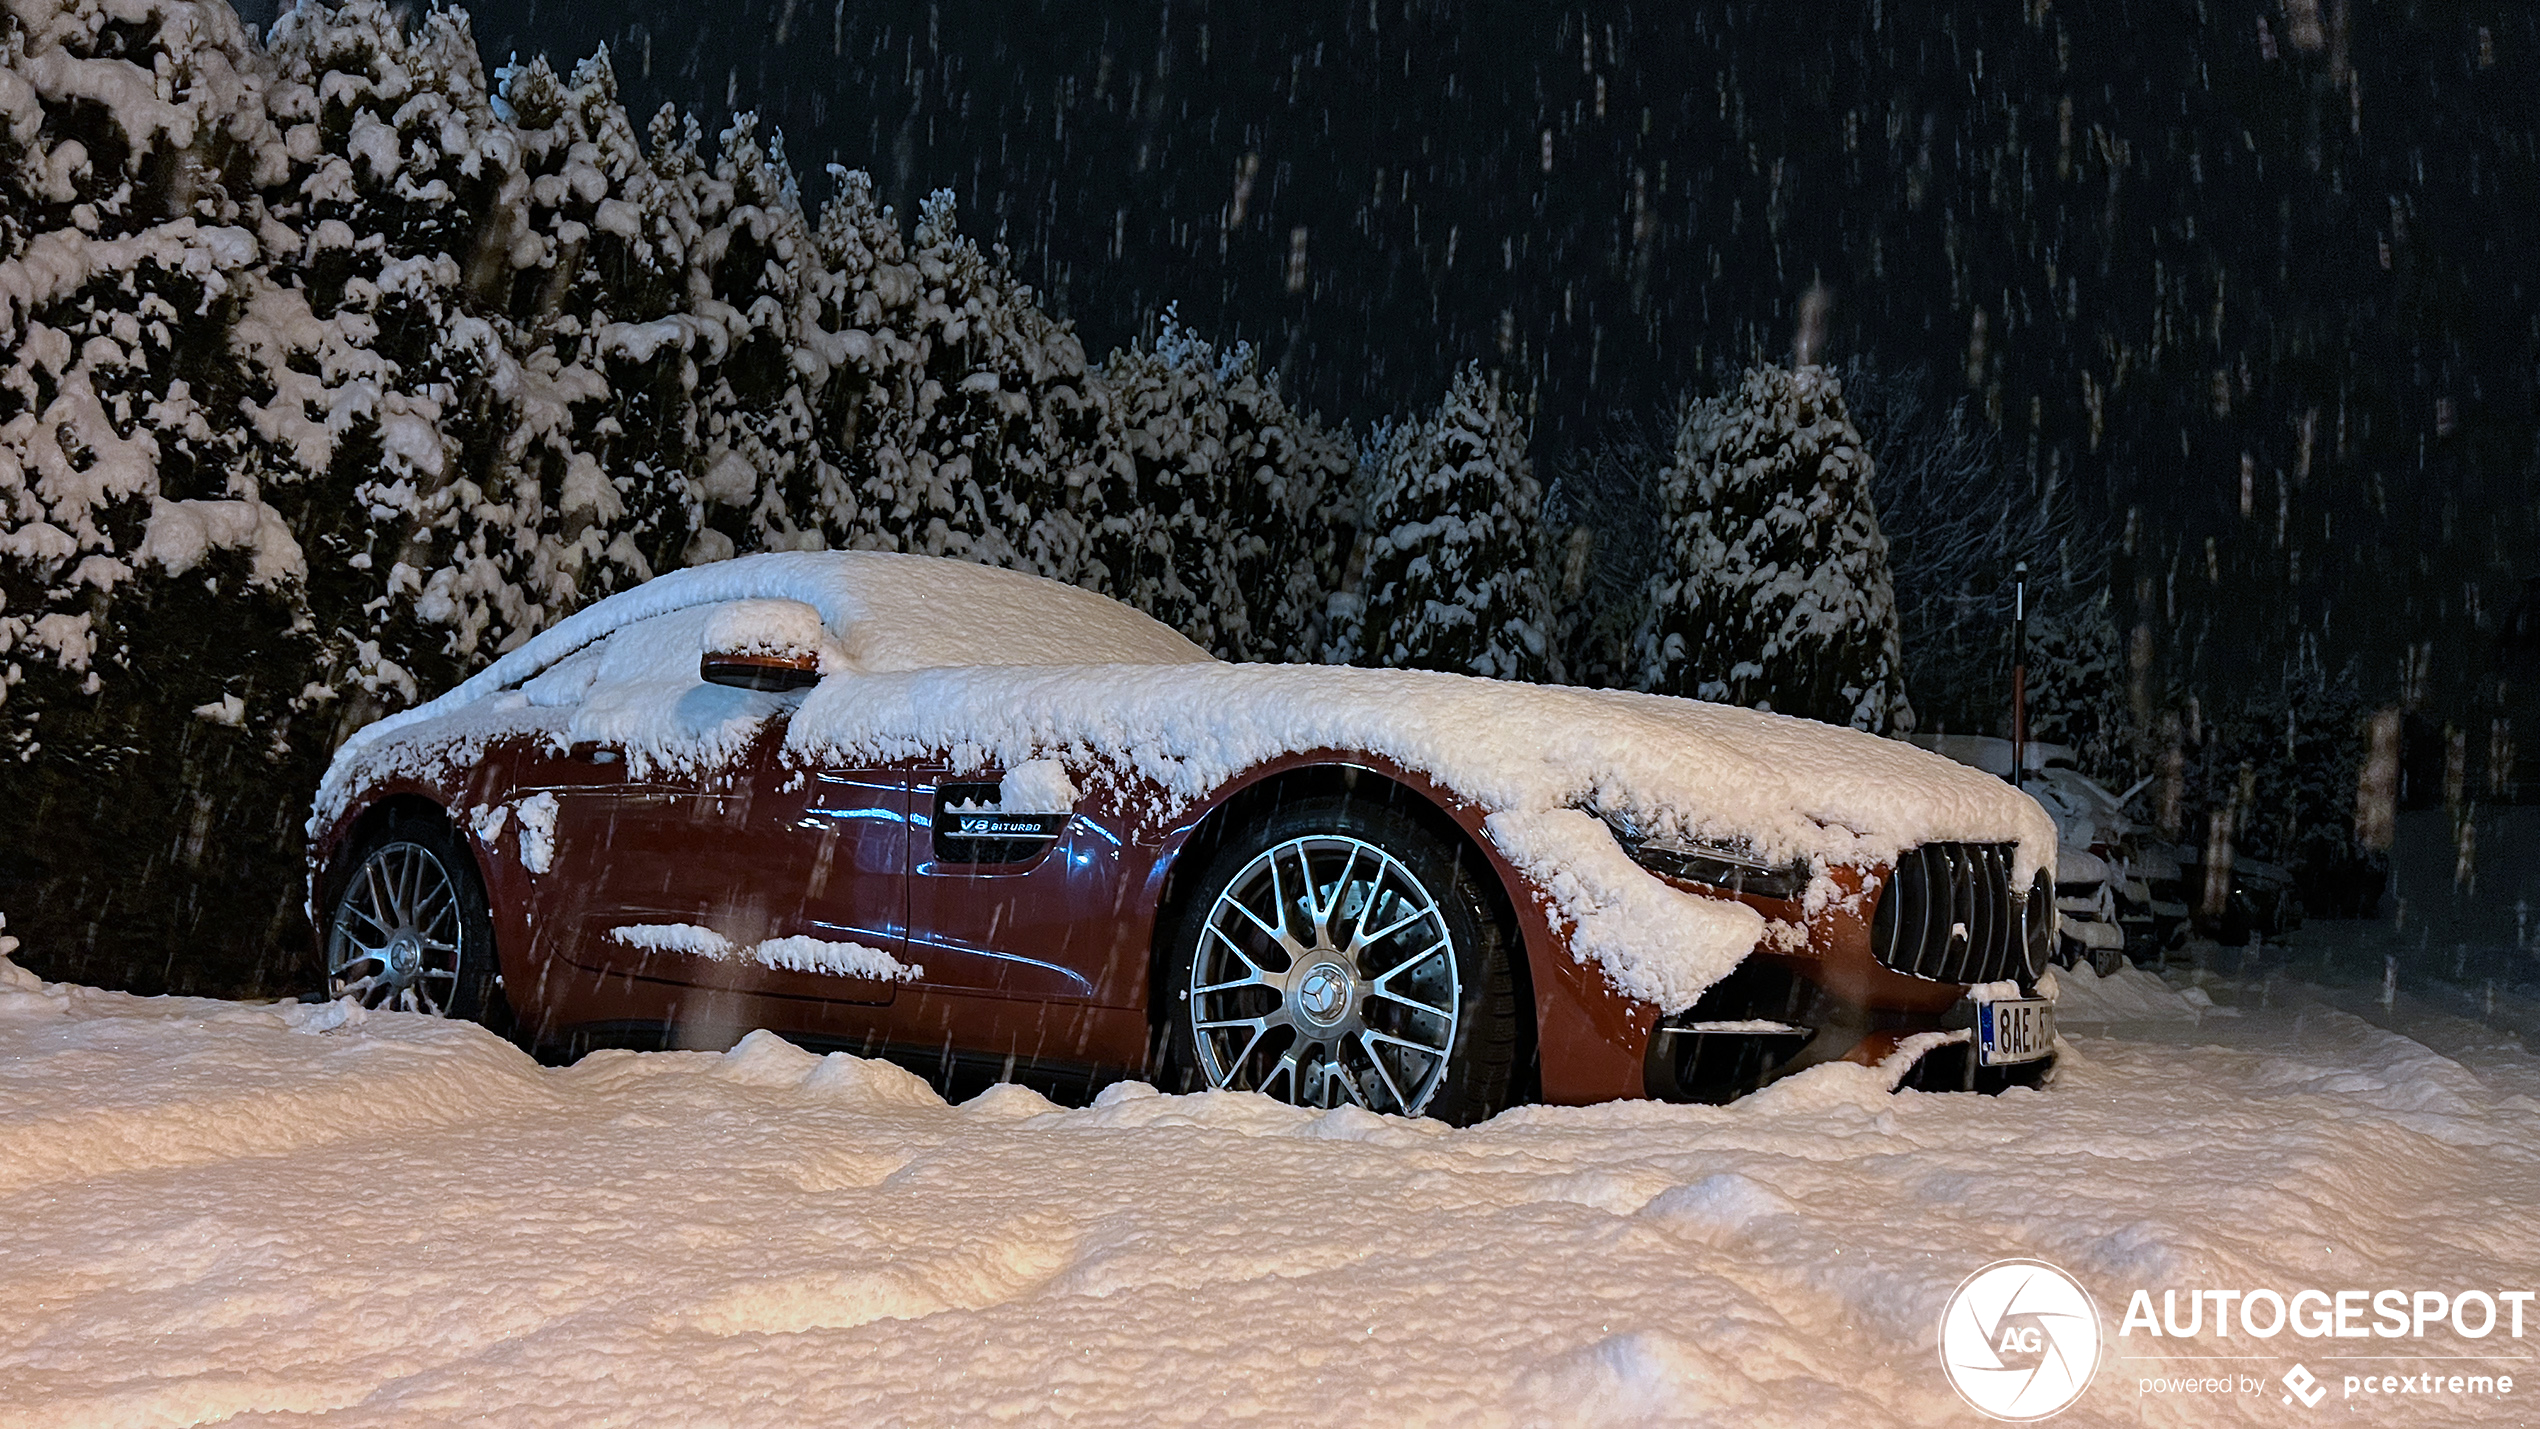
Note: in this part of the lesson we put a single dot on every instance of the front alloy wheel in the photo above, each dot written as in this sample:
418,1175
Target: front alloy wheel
1343,956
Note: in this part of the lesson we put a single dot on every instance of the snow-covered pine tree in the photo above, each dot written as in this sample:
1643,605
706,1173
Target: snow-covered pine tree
749,283
2076,684
406,187
1158,542
1772,589
1284,475
151,639
1209,499
1451,582
603,423
968,433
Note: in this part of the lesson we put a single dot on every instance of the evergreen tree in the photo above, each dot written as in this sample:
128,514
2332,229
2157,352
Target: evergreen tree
749,286
1451,582
332,374
405,187
1209,497
2076,685
151,645
975,416
1161,543
603,421
1772,589
1284,482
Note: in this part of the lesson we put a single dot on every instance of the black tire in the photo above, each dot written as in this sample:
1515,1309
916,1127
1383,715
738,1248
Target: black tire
415,860
1479,1047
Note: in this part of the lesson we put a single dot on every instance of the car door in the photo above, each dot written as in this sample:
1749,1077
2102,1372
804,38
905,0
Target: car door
685,887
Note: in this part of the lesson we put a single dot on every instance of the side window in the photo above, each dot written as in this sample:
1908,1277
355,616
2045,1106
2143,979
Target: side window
567,681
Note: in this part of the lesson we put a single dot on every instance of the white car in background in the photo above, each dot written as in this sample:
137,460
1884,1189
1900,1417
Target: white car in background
2097,893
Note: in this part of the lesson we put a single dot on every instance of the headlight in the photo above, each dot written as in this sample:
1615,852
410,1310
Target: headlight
1723,866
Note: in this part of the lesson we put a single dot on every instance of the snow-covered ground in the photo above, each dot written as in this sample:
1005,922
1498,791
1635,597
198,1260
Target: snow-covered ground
213,1212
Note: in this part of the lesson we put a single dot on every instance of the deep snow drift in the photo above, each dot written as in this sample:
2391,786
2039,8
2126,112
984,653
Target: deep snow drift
225,1213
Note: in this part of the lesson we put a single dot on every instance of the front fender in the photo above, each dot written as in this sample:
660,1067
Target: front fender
1592,1040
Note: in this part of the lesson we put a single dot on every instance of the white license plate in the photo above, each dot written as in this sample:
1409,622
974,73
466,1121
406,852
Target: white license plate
2018,1031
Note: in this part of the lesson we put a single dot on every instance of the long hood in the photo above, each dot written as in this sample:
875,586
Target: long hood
1788,788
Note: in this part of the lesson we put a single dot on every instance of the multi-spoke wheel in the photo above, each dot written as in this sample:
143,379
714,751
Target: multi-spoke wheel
409,931
1343,954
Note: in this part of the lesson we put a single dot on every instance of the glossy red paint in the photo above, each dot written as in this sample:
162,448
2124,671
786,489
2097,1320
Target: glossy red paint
1041,956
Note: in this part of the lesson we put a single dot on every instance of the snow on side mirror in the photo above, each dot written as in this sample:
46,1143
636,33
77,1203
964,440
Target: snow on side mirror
762,645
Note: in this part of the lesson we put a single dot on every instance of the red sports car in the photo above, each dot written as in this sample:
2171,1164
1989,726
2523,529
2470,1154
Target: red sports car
987,824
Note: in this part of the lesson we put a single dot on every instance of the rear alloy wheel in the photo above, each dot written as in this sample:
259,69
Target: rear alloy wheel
1345,955
409,931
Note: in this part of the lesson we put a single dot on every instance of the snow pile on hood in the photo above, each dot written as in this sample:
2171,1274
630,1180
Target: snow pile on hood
989,669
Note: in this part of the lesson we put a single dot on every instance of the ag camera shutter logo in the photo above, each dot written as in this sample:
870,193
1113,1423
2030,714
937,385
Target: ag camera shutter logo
2020,1340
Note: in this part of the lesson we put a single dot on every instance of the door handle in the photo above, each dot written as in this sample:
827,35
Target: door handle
590,752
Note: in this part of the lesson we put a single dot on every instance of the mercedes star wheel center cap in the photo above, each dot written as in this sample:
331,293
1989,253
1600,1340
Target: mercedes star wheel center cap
1324,994
403,955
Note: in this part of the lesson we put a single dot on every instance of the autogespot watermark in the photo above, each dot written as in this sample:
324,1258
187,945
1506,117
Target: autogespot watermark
2021,1340
2464,1362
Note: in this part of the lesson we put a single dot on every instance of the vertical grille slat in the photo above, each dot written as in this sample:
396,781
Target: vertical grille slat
1938,888
1966,897
1943,872
1988,911
2006,913
1953,933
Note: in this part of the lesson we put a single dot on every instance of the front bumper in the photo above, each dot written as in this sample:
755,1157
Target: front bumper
1894,955
1771,1019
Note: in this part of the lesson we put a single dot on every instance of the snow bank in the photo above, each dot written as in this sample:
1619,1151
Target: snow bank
235,1214
2128,994
96,1084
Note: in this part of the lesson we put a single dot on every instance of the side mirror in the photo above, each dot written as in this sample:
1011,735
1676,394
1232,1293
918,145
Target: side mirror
762,645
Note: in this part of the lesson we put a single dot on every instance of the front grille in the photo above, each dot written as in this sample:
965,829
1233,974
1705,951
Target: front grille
1950,914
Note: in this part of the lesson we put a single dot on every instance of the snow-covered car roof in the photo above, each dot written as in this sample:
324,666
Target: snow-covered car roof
993,669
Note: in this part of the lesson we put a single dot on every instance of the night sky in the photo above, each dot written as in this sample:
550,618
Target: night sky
2248,274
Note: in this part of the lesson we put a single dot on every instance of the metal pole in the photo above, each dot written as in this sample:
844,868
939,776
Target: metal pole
2019,675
